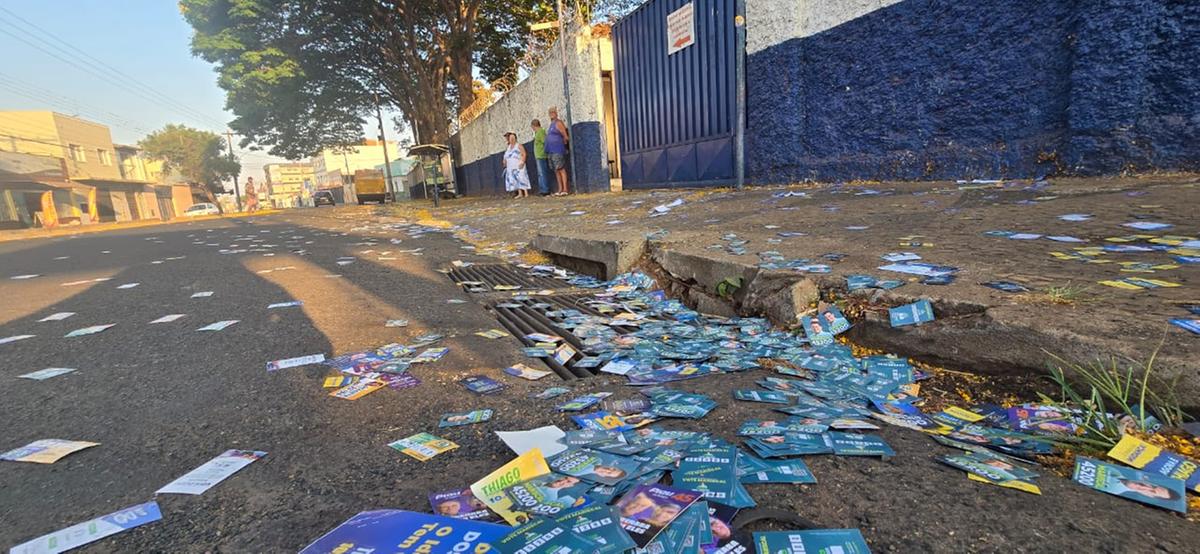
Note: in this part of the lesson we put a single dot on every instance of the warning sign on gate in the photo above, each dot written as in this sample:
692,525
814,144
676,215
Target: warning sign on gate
681,29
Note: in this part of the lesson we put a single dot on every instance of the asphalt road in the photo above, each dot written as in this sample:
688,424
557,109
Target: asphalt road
164,398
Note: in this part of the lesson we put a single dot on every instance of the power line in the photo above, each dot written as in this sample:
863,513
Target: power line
156,97
69,105
70,48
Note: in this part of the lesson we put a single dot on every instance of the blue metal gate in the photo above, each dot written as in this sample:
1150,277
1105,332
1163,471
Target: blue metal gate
678,114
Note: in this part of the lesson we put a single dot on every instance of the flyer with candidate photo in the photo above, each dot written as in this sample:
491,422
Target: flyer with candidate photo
465,418
490,489
1143,455
1147,488
597,467
648,509
461,504
549,495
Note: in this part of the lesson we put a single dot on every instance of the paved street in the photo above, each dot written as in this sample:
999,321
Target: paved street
164,398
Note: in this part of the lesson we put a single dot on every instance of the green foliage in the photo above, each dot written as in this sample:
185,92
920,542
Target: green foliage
197,156
302,75
729,286
1115,395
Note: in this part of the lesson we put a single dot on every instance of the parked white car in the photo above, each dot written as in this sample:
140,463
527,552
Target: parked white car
203,208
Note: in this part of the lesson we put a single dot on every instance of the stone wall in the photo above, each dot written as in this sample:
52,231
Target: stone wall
480,144
954,89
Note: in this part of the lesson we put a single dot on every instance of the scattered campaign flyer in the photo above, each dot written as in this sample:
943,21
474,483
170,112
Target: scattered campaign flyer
431,355
465,418
544,536
291,304
218,326
916,313
46,451
525,372
1147,488
460,504
337,381
56,317
1192,325
564,353
841,541
1147,225
854,444
766,396
423,446
87,532
212,472
403,532
994,469
1153,459
43,374
204,294
396,323
128,285
490,489
821,329
481,384
492,334
168,318
358,389
597,467
295,362
26,276
15,338
88,330
648,509
583,402
548,495
552,392
599,523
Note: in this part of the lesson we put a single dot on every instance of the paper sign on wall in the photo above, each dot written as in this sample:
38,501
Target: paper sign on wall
681,29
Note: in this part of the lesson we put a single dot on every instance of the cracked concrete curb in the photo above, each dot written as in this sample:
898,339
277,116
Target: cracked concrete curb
965,336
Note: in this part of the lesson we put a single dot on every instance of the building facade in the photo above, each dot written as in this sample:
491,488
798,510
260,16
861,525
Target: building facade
334,167
289,184
100,181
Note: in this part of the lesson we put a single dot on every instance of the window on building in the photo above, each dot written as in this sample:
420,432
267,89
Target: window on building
77,153
104,157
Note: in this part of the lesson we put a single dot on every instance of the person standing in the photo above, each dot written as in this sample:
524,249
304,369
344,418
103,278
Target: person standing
516,179
251,195
558,141
539,155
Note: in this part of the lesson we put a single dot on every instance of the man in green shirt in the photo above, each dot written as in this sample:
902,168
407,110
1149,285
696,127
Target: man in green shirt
539,153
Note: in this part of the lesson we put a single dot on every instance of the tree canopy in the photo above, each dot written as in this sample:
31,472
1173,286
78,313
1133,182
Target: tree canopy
197,156
301,75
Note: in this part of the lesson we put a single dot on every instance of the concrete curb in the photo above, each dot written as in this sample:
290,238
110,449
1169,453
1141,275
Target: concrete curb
965,336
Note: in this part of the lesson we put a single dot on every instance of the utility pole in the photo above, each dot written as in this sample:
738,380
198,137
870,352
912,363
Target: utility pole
236,174
562,41
387,165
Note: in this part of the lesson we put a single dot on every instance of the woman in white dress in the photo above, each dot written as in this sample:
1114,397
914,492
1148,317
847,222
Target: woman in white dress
516,179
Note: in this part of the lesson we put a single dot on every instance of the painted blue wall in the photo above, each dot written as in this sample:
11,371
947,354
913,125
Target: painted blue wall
947,89
483,177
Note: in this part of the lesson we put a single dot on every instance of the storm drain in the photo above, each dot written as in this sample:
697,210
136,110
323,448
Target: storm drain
524,316
502,277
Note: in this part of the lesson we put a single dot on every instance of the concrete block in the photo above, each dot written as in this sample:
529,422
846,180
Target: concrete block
602,258
703,271
780,296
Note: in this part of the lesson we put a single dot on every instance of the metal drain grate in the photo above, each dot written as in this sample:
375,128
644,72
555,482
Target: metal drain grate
505,276
528,315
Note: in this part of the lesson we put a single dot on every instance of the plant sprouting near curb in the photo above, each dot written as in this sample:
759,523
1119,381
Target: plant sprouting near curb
1115,396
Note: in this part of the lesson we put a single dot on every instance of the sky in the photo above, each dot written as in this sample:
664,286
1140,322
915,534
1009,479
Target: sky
148,79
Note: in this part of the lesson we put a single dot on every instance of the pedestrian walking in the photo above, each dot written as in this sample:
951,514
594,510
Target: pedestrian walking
558,142
539,155
516,179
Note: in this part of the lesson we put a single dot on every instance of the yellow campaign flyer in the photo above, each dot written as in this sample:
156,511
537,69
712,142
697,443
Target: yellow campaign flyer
490,489
45,451
1138,453
358,390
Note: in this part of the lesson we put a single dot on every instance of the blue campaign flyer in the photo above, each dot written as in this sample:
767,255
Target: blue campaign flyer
403,532
814,541
83,533
1147,488
916,313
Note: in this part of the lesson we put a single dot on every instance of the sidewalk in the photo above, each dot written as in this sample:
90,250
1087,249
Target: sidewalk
67,230
718,233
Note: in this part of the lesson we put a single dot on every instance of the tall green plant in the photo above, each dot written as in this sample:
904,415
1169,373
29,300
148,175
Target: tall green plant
1112,393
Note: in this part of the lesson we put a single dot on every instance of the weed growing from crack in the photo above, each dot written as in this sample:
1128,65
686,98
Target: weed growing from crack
1114,396
1063,295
